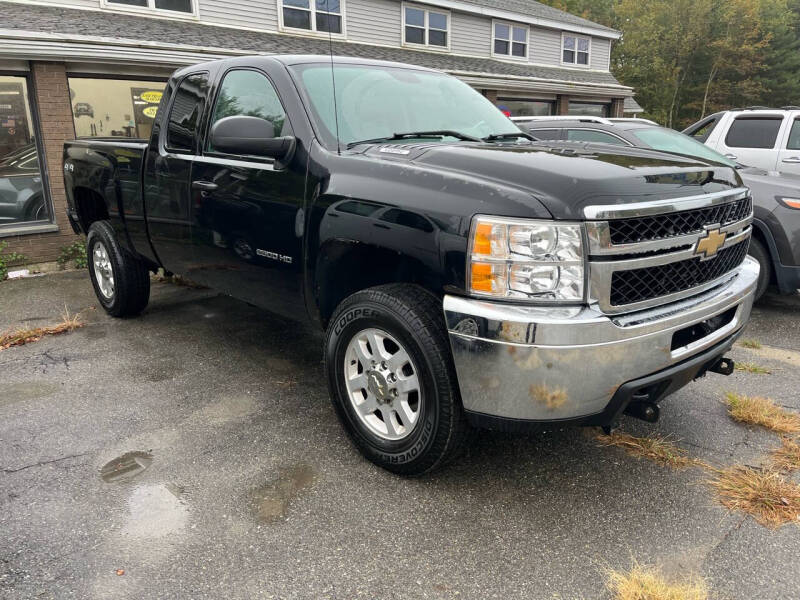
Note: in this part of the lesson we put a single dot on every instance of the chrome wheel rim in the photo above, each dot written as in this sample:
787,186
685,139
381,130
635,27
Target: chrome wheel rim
382,384
103,272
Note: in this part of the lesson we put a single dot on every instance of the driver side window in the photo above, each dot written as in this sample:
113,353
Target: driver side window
251,94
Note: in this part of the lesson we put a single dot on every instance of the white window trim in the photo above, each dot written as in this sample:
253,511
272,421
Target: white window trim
312,8
511,27
151,9
426,10
588,65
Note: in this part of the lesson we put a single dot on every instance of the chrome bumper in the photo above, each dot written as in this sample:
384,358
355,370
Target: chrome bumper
550,363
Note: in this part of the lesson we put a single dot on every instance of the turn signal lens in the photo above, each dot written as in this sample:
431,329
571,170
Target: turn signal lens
523,258
790,202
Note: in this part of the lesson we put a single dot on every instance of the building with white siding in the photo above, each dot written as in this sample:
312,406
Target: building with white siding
96,68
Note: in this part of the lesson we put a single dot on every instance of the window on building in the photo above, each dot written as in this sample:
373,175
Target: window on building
523,107
575,50
426,27
250,94
180,6
510,40
313,15
753,132
187,108
22,192
114,107
589,109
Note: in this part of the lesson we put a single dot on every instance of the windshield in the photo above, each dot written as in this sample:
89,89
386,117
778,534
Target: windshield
668,140
377,102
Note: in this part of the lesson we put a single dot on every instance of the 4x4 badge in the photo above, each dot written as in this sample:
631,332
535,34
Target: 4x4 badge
708,245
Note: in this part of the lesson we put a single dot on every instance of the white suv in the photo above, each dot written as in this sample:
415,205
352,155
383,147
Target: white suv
757,137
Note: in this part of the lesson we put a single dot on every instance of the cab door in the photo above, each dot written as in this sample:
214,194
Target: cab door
248,211
789,155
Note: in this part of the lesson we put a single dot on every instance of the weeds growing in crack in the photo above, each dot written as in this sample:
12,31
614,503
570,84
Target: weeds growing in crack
755,410
748,367
787,457
20,337
656,448
648,583
762,493
752,344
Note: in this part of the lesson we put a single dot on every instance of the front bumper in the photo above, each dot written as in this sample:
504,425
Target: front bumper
544,364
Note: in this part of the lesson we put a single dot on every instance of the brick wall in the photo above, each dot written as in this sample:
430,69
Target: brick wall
55,117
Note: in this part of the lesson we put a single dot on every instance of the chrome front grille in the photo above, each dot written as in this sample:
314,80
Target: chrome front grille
646,254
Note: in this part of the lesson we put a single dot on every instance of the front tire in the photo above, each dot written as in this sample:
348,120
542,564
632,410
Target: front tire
392,380
760,253
120,280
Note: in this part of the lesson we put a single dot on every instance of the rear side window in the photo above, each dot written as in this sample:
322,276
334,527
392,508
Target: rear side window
587,135
702,130
187,109
546,134
794,136
753,132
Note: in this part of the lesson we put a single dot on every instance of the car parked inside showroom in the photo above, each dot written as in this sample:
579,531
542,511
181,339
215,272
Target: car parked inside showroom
21,193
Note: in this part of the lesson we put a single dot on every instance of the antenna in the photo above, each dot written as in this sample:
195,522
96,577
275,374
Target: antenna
333,82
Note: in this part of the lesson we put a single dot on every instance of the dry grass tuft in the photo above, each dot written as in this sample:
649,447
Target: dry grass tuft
755,410
644,583
787,457
752,368
763,494
658,449
754,344
20,337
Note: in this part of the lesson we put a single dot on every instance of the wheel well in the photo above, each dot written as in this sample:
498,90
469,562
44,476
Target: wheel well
90,207
347,269
760,236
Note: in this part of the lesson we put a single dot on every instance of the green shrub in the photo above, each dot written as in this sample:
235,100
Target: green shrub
75,252
6,258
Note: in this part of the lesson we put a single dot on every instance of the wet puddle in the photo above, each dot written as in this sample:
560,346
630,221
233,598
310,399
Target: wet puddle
272,500
127,466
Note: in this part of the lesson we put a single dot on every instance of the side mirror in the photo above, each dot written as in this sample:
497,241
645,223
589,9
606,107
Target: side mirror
249,136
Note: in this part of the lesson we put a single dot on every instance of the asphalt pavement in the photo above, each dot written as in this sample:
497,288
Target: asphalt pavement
193,453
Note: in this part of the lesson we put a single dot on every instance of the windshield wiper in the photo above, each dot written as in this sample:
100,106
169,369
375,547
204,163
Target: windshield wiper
435,134
508,136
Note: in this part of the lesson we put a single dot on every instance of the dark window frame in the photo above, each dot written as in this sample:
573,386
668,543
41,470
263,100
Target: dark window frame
776,118
623,141
49,224
795,121
151,8
714,120
199,133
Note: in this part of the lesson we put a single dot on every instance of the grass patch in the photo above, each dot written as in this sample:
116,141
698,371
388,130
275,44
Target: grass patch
787,457
658,449
754,344
20,337
763,494
752,368
645,583
755,410
178,280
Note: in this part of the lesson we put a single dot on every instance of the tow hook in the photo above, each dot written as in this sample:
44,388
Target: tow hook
724,366
646,411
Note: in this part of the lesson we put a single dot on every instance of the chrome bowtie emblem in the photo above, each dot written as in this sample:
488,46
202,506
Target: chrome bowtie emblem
708,245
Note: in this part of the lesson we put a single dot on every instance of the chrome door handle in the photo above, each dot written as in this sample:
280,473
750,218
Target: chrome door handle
204,186
792,159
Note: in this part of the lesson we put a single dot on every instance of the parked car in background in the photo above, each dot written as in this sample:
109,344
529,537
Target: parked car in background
21,194
757,137
84,109
776,196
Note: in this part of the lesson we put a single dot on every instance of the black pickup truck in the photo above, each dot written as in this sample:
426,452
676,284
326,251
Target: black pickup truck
465,275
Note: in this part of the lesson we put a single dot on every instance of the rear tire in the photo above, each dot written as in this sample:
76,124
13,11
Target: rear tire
120,280
420,427
760,253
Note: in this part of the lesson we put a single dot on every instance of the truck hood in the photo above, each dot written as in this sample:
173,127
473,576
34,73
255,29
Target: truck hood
566,177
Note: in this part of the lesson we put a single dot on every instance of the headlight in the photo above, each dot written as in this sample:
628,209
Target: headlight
526,259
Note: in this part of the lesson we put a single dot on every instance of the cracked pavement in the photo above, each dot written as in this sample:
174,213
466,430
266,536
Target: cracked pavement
254,491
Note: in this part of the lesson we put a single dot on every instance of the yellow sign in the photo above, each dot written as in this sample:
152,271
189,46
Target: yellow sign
150,111
708,245
151,97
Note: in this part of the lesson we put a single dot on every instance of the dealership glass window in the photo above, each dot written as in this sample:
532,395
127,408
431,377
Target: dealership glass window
22,191
425,27
114,107
589,109
575,50
510,40
523,107
313,15
181,6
